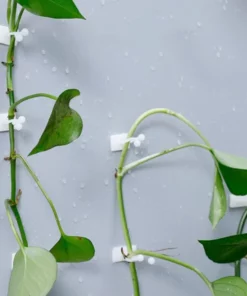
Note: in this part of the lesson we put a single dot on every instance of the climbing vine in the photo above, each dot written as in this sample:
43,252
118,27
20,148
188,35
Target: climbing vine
34,268
230,170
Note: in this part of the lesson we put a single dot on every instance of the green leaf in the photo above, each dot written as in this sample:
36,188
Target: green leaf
34,273
226,250
218,205
59,9
234,172
230,286
64,125
73,249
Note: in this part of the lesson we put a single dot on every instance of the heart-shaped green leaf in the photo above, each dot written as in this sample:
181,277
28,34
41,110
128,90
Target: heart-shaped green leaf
230,286
234,171
64,125
34,273
226,250
218,205
61,9
73,249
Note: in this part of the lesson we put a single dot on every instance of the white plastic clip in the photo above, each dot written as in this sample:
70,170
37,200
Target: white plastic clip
19,35
4,122
238,201
118,141
118,255
4,35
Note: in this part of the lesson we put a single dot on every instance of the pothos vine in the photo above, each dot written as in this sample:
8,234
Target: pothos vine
231,169
35,269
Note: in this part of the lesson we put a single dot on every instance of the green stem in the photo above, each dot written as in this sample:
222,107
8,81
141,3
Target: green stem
9,10
240,231
122,171
13,107
20,225
10,90
43,191
18,239
134,277
178,262
19,19
152,112
13,16
123,218
126,233
156,155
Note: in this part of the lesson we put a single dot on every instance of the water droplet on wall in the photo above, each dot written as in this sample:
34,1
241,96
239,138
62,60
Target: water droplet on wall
54,69
106,181
43,51
82,186
74,205
67,70
80,279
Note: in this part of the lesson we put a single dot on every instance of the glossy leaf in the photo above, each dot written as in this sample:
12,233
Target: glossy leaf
34,273
60,9
64,126
218,205
73,249
234,172
226,250
230,286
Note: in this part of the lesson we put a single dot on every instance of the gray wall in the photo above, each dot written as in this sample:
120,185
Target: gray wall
130,56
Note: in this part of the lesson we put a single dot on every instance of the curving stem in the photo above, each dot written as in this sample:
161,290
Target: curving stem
31,172
178,262
122,171
240,231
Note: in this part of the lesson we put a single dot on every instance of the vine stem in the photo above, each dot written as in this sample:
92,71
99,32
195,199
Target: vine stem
9,10
43,191
122,171
152,112
240,231
19,19
18,239
156,155
13,106
11,14
178,262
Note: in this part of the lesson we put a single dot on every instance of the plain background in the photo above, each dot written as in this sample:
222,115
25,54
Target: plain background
129,56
